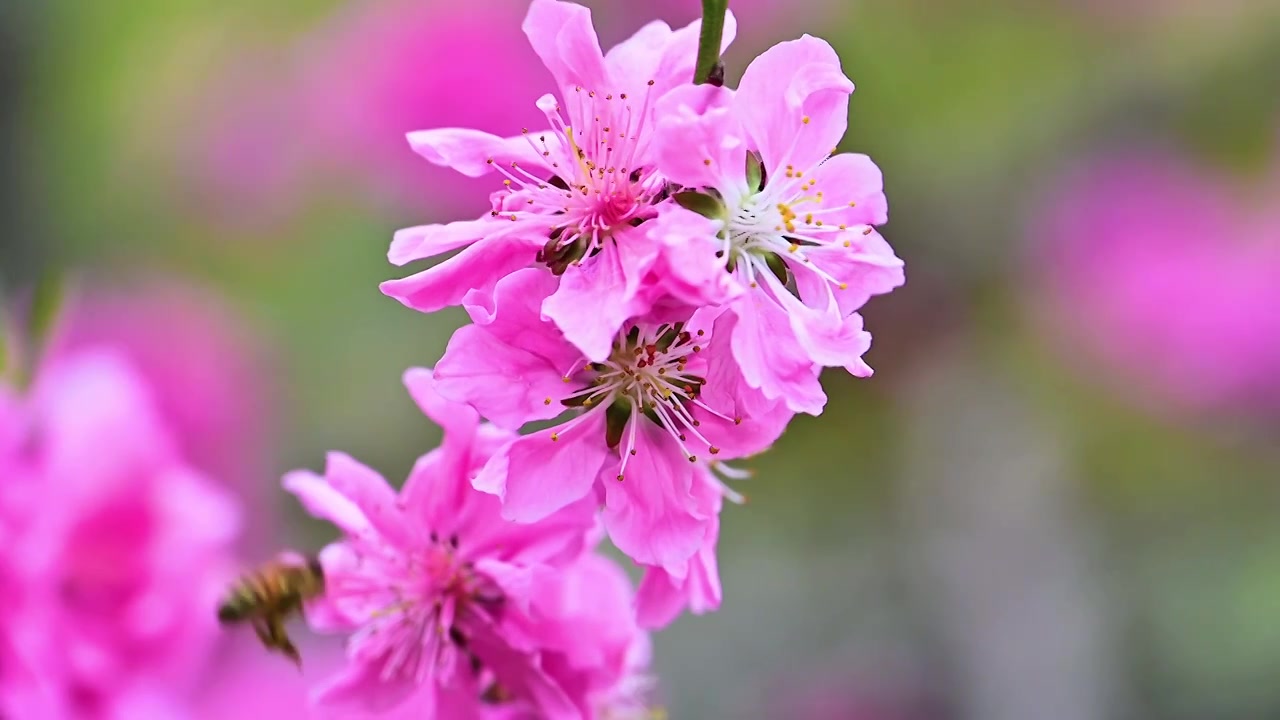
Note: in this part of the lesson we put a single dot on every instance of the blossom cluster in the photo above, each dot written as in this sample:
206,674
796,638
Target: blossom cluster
665,269
663,273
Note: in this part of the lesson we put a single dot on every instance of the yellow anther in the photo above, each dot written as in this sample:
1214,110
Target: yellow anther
844,286
555,437
707,162
546,401
805,119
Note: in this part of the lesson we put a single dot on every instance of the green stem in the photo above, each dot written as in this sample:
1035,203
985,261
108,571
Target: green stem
709,68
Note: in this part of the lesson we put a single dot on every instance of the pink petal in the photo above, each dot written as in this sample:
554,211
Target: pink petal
661,596
562,35
425,241
470,152
658,54
595,298
506,384
853,178
324,502
787,83
867,268
545,475
513,314
688,269
371,493
652,514
453,417
361,686
745,422
770,357
829,339
698,141
480,266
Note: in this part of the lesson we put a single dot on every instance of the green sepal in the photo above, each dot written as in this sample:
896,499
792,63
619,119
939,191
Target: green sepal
616,418
664,343
755,172
707,206
778,266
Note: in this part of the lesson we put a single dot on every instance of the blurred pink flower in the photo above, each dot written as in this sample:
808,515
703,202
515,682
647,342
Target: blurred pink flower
1156,270
374,71
114,549
577,189
203,367
446,601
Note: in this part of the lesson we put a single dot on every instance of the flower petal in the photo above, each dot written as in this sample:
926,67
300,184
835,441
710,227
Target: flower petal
652,514
324,502
771,360
370,492
506,384
658,54
594,299
562,35
662,596
550,469
699,142
853,178
455,418
424,241
513,314
794,102
472,152
479,267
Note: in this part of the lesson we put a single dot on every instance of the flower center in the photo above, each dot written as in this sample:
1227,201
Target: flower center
417,609
648,375
782,226
602,181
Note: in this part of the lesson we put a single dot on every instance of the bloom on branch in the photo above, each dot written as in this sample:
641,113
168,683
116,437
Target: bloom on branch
796,224
452,608
636,424
576,194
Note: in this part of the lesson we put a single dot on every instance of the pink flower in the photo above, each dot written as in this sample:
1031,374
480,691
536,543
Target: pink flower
376,73
761,162
200,362
114,551
350,91
666,394
1153,269
576,195
449,602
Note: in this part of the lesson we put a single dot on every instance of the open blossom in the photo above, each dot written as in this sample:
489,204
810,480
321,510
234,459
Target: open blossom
796,224
667,394
576,195
114,550
452,609
1124,245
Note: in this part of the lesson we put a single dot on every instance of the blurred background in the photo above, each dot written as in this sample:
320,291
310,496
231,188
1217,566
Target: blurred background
1058,497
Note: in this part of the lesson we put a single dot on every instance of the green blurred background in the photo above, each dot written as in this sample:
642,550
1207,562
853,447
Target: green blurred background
986,529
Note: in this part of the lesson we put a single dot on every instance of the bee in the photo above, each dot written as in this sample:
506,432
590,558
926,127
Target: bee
267,597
